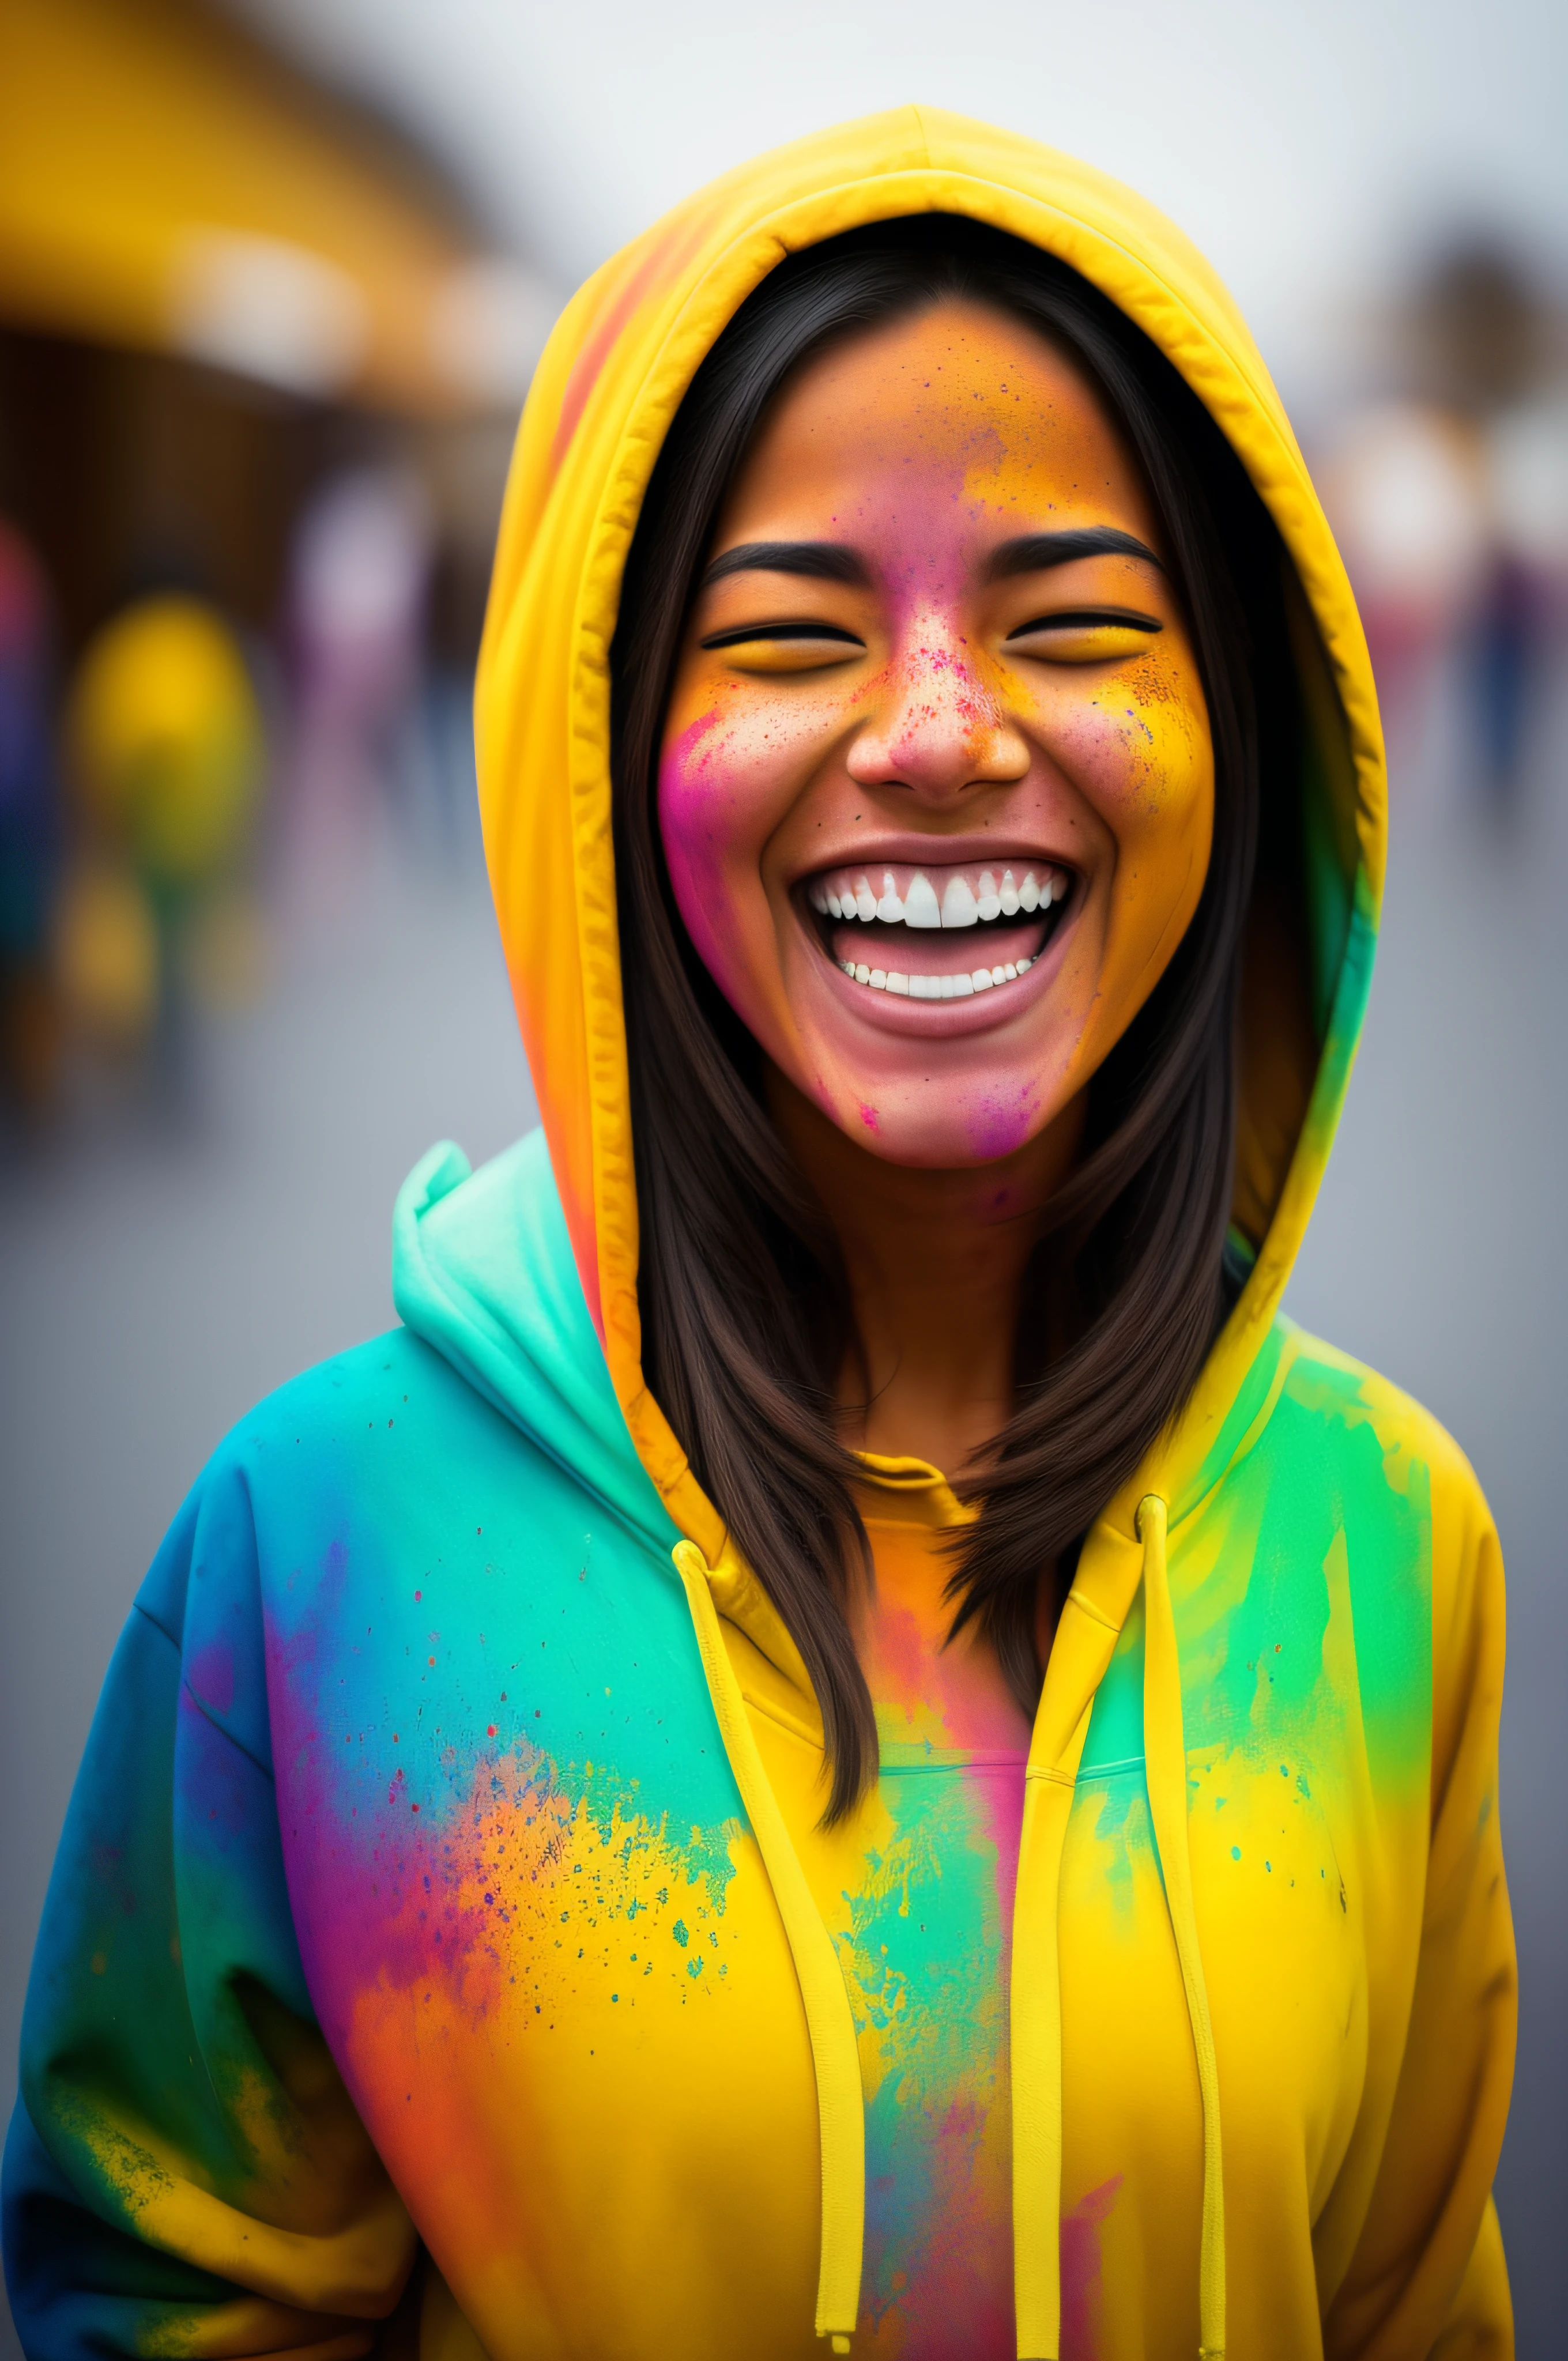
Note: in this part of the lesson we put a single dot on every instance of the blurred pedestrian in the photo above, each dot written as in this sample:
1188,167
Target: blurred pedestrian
29,829
359,580
1452,505
166,755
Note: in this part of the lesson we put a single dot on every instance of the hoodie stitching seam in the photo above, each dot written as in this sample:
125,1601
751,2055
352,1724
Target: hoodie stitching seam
770,1712
239,1744
1087,1607
200,1703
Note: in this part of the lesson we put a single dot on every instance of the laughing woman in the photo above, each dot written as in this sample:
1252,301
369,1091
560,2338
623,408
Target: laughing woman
846,1733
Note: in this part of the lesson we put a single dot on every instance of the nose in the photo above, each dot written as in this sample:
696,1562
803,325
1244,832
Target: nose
935,727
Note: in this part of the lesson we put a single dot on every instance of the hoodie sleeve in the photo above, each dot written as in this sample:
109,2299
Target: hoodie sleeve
1428,2282
186,2171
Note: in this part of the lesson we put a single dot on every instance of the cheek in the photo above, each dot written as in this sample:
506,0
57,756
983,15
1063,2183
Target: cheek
696,808
1140,750
723,787
1168,814
1158,801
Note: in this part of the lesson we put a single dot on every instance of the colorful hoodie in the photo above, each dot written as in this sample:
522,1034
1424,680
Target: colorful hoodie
444,1935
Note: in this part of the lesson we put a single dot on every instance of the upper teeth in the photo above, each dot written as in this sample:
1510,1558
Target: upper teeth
851,894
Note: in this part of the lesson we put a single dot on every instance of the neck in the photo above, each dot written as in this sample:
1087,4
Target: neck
935,1263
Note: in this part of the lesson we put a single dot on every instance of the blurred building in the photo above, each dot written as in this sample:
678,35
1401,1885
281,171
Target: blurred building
237,313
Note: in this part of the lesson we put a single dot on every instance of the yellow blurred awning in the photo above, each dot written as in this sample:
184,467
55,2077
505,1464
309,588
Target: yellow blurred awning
166,183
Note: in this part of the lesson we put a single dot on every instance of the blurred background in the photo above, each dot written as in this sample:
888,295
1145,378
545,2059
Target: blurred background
273,278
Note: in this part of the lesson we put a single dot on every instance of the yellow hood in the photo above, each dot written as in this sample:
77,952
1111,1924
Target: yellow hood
620,361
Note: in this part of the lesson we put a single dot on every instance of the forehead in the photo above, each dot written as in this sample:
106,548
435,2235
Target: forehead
958,396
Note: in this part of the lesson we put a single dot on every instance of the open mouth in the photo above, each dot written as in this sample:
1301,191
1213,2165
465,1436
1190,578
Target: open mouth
939,933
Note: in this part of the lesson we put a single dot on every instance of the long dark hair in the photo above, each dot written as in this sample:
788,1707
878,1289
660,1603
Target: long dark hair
743,1298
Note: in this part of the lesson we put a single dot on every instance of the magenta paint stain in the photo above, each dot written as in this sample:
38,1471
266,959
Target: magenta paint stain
1080,2269
698,795
677,755
210,1676
999,1128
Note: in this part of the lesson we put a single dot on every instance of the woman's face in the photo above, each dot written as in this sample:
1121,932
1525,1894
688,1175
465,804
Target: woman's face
936,787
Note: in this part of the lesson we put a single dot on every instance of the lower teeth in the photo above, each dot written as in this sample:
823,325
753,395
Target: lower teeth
936,987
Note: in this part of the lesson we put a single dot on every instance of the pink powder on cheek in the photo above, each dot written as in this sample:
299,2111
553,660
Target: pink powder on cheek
696,809
685,782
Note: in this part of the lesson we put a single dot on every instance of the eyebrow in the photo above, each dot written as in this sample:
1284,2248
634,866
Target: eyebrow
816,561
1034,552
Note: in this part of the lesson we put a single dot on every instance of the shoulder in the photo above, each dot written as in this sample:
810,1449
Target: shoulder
389,1435
383,1422
1418,1459
327,1407
1394,1466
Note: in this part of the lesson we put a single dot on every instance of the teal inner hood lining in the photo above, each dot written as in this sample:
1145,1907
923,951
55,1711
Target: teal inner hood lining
483,1271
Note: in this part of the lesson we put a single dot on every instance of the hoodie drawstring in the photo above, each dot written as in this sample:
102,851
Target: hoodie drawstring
1036,2037
1165,1767
840,2100
1037,1976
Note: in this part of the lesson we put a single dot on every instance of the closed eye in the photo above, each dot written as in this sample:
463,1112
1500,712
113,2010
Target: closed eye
795,646
1084,634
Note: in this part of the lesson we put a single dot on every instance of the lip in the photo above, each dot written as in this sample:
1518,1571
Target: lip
890,1013
980,847
942,1020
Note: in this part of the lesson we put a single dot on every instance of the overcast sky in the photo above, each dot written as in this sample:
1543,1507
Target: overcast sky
1309,147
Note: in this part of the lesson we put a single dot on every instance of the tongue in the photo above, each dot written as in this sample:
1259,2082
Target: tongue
936,951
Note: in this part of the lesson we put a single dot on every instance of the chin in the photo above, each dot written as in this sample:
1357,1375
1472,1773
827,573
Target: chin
933,1127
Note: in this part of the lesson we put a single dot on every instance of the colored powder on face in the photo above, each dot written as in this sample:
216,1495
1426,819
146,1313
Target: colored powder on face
920,449
997,1128
699,797
687,787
